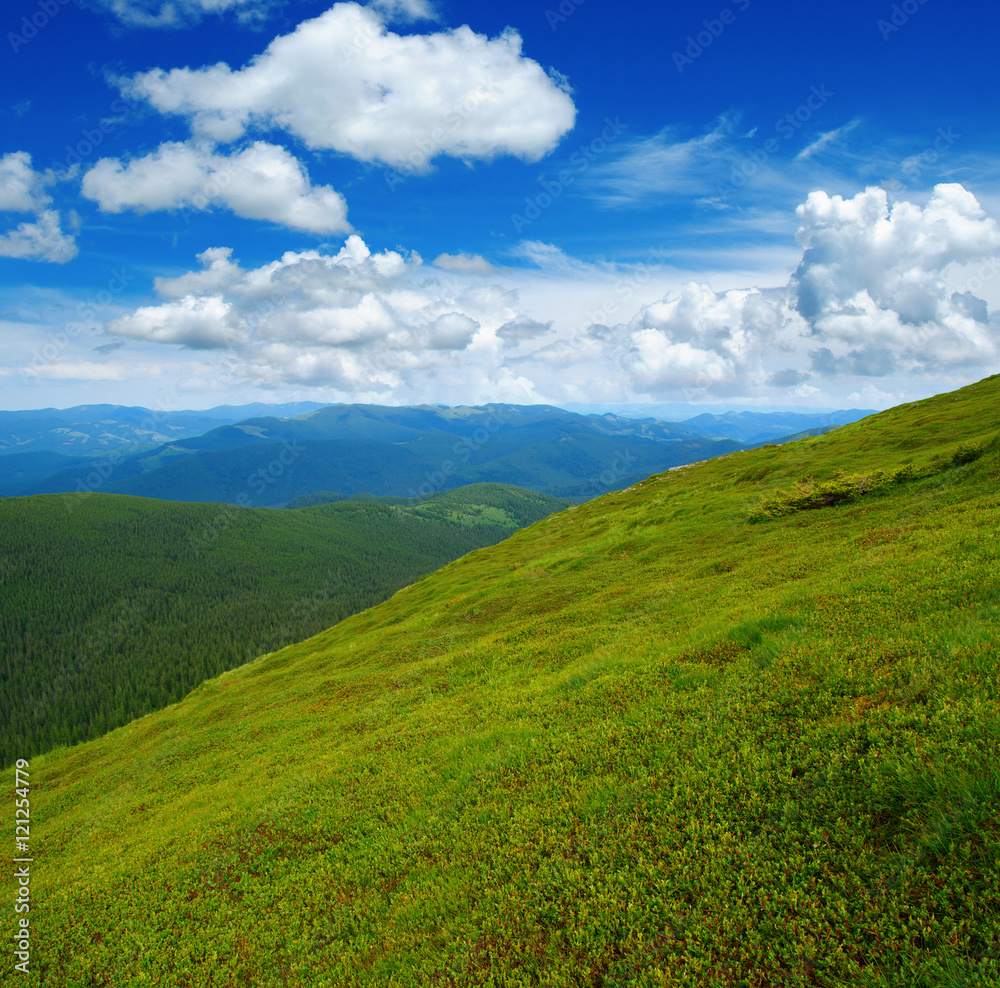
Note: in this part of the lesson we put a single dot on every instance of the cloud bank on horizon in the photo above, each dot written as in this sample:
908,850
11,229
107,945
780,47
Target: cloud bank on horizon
890,290
868,299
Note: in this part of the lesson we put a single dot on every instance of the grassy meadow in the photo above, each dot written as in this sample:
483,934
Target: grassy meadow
737,725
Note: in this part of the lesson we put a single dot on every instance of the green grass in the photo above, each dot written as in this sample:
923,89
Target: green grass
649,741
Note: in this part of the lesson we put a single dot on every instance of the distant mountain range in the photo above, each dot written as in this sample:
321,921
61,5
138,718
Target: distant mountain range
89,429
744,425
754,428
229,454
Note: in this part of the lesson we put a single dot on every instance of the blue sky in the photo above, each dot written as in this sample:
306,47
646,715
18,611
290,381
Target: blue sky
218,201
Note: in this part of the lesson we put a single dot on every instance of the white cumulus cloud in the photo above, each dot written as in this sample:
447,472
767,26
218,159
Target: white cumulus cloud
872,281
22,190
701,339
343,81
263,182
869,299
200,322
464,263
871,306
319,318
42,240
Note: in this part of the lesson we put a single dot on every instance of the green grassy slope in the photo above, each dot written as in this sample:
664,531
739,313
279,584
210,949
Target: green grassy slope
647,741
114,606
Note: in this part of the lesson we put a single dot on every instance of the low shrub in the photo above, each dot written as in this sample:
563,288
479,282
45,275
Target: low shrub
809,493
967,452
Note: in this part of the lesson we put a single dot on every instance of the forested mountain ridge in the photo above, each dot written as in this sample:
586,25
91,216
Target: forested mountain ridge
736,725
401,451
388,423
122,605
575,467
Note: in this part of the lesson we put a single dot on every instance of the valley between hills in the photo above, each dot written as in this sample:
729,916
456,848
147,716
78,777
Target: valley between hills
737,724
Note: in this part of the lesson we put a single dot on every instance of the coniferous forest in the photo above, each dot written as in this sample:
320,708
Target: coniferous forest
115,606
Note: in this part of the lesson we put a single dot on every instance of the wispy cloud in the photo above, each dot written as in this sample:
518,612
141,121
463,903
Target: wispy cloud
181,13
405,11
659,165
731,173
826,139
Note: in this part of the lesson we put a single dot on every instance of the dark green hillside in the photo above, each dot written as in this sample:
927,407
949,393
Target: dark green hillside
317,497
737,726
19,471
119,606
273,474
486,504
575,466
